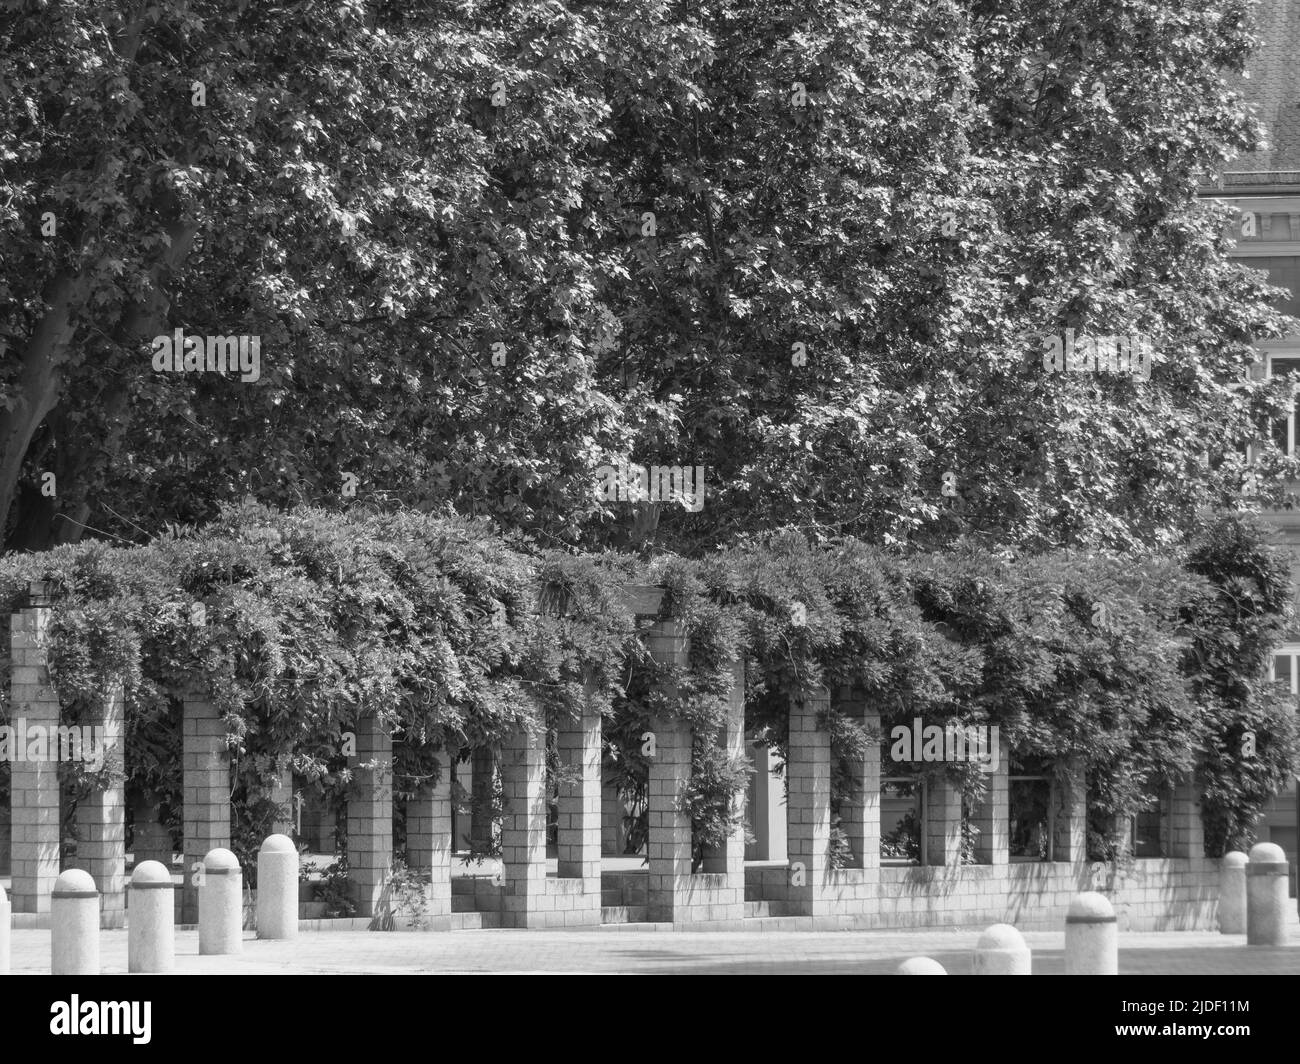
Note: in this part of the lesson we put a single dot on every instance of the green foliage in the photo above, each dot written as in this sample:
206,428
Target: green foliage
405,898
954,187
455,637
334,888
1235,623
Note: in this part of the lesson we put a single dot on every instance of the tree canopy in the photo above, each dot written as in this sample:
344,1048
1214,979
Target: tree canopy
489,247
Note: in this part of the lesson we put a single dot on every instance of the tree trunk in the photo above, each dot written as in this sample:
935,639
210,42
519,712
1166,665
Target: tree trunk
38,387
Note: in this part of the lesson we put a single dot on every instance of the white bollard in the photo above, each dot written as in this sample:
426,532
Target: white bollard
1001,950
151,928
1267,896
74,924
920,966
6,922
1091,936
221,905
277,888
1232,893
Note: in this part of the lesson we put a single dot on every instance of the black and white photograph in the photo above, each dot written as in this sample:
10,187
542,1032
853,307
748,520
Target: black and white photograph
637,487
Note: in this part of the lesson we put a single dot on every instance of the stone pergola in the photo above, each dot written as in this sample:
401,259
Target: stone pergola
800,880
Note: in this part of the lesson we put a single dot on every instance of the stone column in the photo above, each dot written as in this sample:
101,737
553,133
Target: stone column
1187,833
611,821
992,819
101,819
669,838
34,800
1071,819
523,829
942,822
370,814
579,805
669,844
428,841
860,817
729,858
205,790
808,776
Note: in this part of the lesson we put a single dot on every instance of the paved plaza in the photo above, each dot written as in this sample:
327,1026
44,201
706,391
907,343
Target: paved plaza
665,953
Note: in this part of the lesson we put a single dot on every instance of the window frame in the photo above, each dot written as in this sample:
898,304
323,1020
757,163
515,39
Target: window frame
1269,375
1291,650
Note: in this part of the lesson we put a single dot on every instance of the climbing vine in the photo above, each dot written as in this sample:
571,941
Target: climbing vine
296,624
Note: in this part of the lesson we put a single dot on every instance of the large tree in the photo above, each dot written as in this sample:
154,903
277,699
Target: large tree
434,216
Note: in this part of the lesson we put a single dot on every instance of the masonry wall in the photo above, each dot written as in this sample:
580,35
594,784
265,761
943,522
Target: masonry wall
1175,894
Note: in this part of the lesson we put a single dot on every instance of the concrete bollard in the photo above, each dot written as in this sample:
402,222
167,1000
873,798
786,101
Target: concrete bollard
221,905
920,966
1232,893
1267,896
151,929
74,924
6,923
277,888
1091,936
1001,950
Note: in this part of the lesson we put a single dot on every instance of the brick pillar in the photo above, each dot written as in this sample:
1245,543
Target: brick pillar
370,815
611,821
669,842
428,841
729,858
205,790
993,818
942,822
579,805
860,817
34,784
523,829
1187,833
1071,816
101,820
808,779
669,838
34,801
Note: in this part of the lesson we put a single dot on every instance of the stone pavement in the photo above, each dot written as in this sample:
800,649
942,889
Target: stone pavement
661,953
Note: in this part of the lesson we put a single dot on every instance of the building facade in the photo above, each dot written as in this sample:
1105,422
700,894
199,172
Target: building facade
1264,188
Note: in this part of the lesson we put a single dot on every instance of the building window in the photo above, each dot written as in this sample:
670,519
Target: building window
1285,669
1032,821
1284,272
1284,431
1147,830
